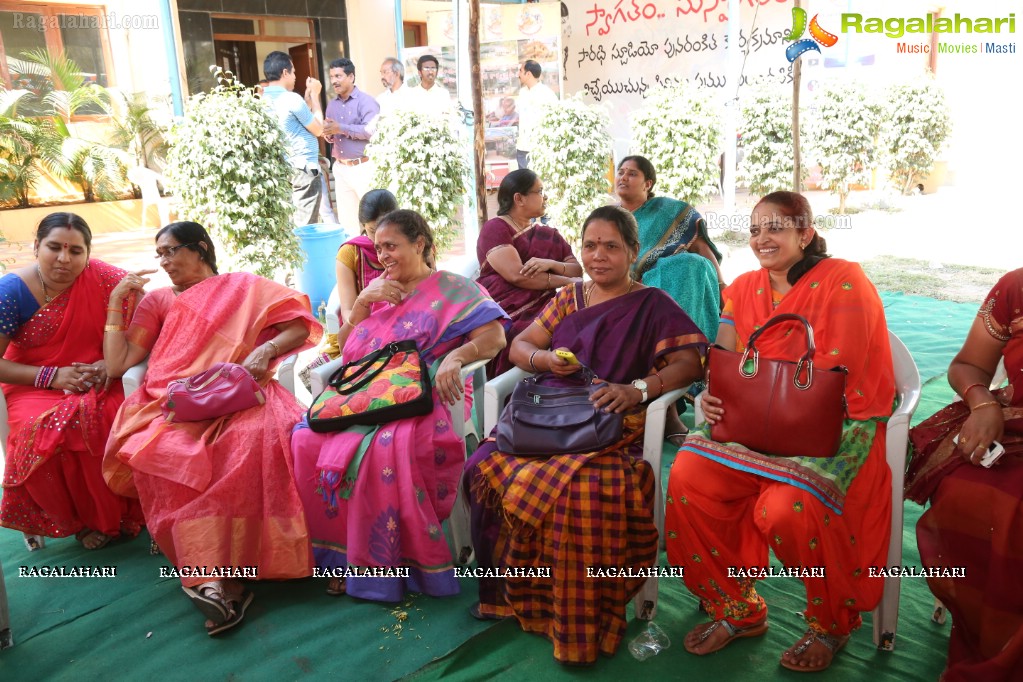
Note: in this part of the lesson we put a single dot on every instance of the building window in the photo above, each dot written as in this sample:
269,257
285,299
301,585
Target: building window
77,31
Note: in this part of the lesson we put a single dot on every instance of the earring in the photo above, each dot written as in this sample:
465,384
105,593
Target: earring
802,246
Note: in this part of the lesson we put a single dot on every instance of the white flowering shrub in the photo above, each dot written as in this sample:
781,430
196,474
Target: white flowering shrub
843,131
767,142
228,167
421,160
571,154
916,125
678,130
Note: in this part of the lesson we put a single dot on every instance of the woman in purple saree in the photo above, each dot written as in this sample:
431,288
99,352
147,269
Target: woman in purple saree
522,263
572,512
375,496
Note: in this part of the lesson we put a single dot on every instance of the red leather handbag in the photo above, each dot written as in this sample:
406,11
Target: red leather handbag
223,389
778,407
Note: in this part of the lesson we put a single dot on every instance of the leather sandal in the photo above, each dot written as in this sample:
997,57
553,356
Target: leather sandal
734,632
222,610
811,637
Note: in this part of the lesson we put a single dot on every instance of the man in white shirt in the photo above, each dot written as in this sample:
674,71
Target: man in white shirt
430,96
533,96
392,75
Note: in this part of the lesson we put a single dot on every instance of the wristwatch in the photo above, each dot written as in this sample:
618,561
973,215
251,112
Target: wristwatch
641,385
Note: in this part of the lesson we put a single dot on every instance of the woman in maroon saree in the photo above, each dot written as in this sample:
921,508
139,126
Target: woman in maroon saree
60,403
571,512
522,263
975,521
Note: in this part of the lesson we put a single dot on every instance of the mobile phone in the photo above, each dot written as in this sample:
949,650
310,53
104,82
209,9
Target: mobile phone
567,355
994,451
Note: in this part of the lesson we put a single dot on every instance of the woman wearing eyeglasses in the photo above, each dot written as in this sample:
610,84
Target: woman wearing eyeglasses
522,263
221,492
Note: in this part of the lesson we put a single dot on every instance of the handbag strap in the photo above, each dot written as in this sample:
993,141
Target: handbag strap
366,362
585,376
811,348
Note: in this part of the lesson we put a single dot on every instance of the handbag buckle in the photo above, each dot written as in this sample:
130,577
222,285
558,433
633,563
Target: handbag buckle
756,363
536,399
803,362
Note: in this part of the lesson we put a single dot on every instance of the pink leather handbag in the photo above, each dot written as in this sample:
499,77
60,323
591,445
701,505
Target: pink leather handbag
223,389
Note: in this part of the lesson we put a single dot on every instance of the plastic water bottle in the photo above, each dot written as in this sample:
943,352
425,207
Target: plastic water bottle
649,643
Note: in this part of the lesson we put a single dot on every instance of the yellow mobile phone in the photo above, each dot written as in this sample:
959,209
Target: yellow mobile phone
567,355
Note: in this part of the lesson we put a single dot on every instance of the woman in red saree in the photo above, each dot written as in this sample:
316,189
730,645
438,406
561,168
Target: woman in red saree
375,496
975,521
522,264
219,495
727,505
574,512
60,402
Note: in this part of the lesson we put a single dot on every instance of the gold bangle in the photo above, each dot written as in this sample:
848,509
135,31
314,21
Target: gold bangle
277,349
985,404
114,328
548,279
473,344
970,388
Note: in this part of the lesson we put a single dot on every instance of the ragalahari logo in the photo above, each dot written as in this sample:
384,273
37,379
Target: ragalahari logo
819,35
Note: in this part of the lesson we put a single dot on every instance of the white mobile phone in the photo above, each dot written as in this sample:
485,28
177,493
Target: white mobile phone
994,451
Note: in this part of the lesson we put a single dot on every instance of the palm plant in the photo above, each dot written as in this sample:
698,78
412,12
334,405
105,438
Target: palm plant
136,131
22,141
93,164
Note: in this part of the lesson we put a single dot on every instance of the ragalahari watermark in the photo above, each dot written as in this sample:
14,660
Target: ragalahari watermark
64,22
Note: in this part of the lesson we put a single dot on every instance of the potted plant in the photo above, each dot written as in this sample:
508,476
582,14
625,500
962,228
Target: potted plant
572,153
228,166
422,161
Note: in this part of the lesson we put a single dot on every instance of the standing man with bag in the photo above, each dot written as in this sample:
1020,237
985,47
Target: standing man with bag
302,123
346,128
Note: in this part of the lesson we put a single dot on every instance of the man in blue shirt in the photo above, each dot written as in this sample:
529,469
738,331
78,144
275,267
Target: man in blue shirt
302,122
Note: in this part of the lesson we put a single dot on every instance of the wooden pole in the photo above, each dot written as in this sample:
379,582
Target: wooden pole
479,149
797,161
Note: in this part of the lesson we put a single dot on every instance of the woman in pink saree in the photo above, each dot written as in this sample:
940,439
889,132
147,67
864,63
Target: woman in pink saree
60,404
376,496
219,495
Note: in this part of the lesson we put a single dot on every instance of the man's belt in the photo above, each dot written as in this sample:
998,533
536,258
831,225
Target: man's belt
353,162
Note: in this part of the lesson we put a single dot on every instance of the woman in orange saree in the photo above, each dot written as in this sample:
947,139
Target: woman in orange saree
727,505
219,495
60,404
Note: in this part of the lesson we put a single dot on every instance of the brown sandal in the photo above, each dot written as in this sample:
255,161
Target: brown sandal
733,631
811,637
93,539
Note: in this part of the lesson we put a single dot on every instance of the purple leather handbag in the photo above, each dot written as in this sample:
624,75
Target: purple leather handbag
545,418
223,389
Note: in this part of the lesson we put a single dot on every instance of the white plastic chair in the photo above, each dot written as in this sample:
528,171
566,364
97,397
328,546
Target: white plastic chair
496,393
907,390
146,179
469,430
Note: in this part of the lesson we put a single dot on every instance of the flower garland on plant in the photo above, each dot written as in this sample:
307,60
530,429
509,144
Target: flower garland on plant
227,161
421,160
572,153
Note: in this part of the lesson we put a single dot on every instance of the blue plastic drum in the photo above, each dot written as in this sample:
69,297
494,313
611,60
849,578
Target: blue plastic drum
319,243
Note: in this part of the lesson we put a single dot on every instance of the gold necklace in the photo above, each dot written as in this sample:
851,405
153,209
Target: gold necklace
46,294
587,292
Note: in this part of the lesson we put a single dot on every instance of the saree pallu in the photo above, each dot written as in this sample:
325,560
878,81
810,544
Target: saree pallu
218,492
376,496
975,520
53,483
522,305
667,230
577,514
831,513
